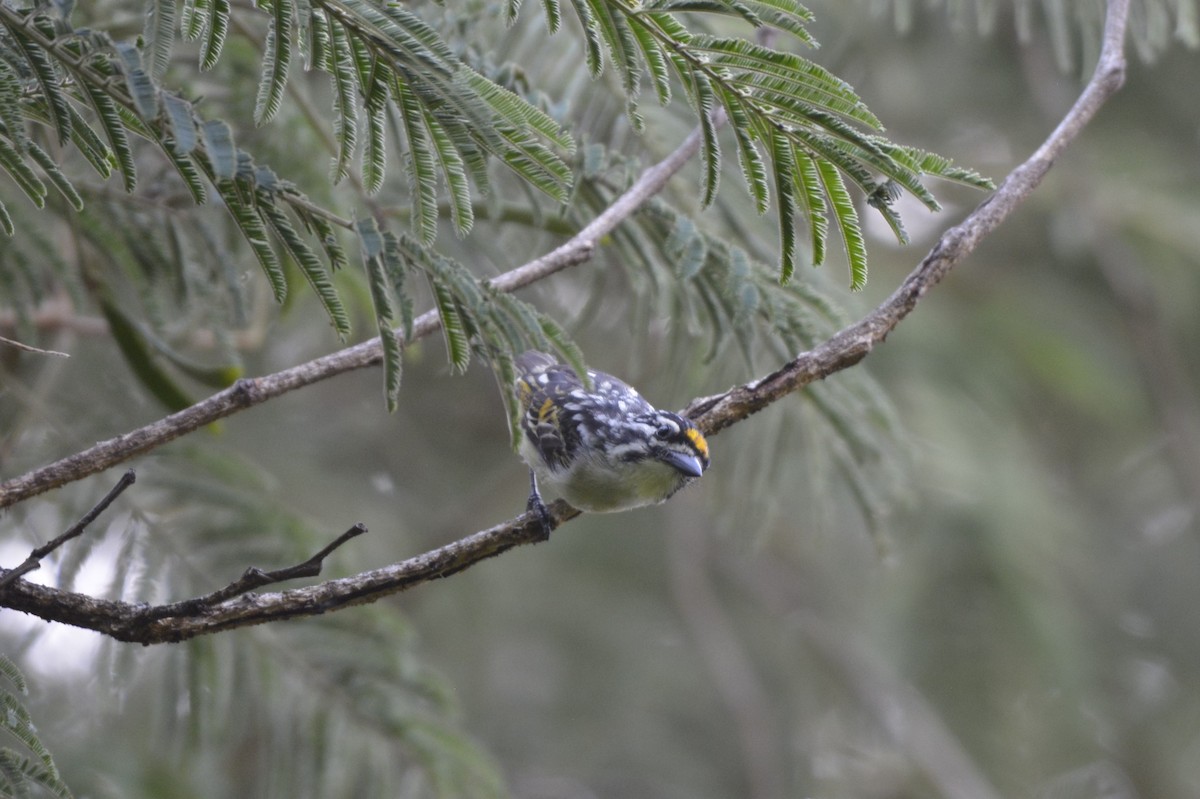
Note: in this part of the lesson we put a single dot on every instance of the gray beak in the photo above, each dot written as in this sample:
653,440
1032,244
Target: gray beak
688,464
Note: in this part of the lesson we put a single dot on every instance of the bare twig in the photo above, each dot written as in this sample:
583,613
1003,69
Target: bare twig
127,622
255,577
36,350
35,557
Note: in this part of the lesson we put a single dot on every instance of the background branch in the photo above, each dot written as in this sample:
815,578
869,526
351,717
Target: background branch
34,560
248,392
129,622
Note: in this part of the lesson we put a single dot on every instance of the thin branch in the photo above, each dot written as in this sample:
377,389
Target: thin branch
247,393
128,622
34,560
36,350
255,577
852,344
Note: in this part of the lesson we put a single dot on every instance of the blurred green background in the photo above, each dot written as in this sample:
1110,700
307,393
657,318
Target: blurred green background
967,568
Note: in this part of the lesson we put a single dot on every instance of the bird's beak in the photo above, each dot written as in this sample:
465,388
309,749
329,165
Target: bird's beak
688,464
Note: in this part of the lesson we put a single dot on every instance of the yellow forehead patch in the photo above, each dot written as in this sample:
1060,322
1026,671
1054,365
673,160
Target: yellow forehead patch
698,441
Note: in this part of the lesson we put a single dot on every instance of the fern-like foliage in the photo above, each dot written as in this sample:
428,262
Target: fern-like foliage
804,141
477,321
797,128
333,707
389,67
26,769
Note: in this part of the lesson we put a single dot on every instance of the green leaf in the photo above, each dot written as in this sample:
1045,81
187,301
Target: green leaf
6,222
277,56
248,221
182,123
91,146
314,271
370,239
345,100
749,158
327,235
811,194
458,349
185,165
374,252
141,88
592,43
60,181
553,13
512,9
13,162
622,49
14,675
784,168
218,145
12,121
48,82
374,159
393,259
519,112
421,169
159,33
655,60
192,16
710,148
214,34
140,358
847,222
785,15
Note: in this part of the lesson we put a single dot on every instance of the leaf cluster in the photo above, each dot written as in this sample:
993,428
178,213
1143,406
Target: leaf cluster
804,141
336,707
27,770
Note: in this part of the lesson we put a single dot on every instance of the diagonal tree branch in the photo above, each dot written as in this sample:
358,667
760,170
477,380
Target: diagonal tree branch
128,622
248,392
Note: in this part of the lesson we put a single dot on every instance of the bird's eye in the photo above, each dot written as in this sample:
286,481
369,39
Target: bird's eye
664,431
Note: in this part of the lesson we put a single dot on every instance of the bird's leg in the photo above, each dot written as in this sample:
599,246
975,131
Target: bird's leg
536,505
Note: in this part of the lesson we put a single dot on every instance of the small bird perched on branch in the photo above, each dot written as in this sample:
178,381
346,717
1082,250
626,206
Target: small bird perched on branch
601,449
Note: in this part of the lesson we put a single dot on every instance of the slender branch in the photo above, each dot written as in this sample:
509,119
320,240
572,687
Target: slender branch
36,350
255,577
128,622
852,344
34,560
247,393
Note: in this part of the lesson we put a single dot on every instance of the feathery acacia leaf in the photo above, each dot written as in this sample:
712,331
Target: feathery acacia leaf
454,329
215,31
846,218
13,162
277,56
182,122
51,168
812,198
421,169
345,102
255,233
314,271
114,131
48,81
784,169
160,35
379,261
218,145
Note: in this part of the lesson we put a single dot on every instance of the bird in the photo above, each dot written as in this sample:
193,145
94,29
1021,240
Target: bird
602,448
